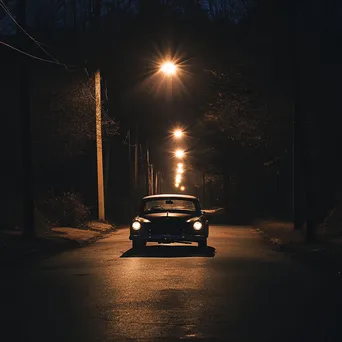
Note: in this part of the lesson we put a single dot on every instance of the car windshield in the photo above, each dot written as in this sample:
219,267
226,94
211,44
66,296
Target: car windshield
157,205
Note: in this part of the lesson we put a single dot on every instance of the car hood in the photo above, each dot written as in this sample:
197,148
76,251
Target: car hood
168,215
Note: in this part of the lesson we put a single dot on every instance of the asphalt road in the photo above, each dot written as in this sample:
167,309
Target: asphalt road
240,289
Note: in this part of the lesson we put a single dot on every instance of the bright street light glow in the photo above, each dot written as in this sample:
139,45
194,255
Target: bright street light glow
178,178
177,185
179,154
180,171
180,165
168,68
182,188
178,133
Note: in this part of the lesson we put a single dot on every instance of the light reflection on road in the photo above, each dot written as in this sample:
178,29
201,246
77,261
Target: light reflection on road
155,292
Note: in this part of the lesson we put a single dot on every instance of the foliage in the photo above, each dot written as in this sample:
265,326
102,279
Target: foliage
236,116
64,115
66,209
237,110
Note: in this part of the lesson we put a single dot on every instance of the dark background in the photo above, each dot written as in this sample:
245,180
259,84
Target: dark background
258,95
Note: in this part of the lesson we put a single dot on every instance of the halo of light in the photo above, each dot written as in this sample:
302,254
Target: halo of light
178,133
168,68
179,154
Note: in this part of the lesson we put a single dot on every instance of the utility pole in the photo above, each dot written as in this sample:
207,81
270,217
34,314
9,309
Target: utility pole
161,183
136,163
151,179
203,189
131,197
99,152
26,138
156,180
148,174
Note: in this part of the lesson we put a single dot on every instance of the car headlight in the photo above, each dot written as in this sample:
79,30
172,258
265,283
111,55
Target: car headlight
136,225
197,225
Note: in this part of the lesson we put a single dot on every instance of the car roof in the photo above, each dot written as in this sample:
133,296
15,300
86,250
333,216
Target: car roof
161,196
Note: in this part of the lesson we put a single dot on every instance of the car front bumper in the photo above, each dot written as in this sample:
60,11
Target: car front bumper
168,238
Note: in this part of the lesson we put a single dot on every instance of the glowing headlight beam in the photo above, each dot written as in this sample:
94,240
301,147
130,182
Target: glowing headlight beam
136,225
197,225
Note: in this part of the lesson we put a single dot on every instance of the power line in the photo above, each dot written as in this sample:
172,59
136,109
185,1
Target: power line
35,57
3,5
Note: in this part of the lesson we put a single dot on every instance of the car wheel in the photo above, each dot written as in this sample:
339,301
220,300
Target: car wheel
202,244
138,244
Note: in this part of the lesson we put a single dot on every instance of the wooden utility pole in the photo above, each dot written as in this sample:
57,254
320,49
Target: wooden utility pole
156,180
26,138
203,189
131,180
99,153
148,173
136,159
151,180
161,183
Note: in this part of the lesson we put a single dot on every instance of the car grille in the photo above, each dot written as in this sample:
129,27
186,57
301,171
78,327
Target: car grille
171,227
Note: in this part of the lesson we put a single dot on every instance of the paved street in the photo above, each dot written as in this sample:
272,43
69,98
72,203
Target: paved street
239,290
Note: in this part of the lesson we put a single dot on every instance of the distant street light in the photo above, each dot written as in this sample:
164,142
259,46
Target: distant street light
168,68
176,185
178,178
180,165
178,133
182,188
179,154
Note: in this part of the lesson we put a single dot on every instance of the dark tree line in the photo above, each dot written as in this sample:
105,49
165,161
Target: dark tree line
253,71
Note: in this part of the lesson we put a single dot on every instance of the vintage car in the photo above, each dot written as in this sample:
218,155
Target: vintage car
167,219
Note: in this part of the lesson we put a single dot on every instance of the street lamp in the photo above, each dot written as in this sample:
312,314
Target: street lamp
178,133
168,68
179,154
178,178
182,188
176,185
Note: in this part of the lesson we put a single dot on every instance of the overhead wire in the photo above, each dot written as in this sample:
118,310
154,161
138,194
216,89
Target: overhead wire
33,56
55,60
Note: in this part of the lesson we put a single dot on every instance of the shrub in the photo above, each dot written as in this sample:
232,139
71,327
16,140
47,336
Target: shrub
66,210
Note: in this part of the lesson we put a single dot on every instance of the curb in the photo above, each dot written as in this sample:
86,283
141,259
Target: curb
100,236
47,248
317,258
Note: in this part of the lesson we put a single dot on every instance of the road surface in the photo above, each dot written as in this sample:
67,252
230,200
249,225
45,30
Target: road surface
240,289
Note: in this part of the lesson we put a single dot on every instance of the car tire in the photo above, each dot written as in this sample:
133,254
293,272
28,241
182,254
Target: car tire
138,244
202,244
